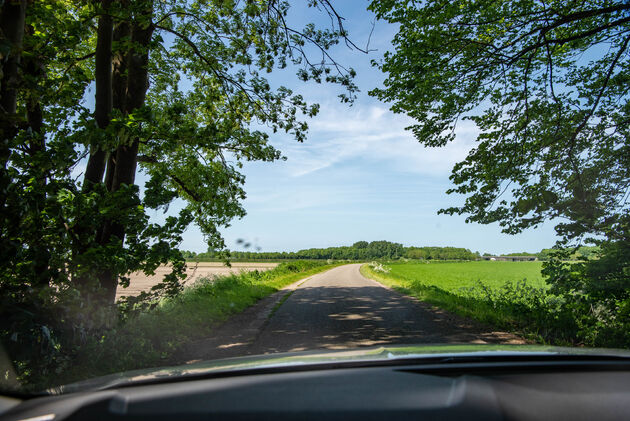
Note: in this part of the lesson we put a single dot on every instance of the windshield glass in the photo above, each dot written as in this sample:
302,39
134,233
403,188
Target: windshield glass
192,180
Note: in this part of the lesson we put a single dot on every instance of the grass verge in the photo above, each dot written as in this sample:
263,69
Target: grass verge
151,338
515,307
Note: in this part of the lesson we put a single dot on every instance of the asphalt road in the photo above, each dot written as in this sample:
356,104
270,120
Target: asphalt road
342,309
339,309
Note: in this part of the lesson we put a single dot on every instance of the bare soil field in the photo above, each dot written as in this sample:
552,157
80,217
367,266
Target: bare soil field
140,282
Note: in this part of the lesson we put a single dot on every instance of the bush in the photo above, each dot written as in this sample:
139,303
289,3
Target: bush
529,309
596,291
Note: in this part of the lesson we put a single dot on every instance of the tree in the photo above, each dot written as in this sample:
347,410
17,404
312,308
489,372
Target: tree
546,83
183,139
178,86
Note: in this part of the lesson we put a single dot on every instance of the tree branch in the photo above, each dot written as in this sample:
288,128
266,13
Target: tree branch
561,41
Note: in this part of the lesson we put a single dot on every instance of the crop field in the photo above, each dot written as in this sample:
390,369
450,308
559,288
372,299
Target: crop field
456,277
139,282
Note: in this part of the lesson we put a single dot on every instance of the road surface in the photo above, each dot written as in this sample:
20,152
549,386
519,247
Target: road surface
339,309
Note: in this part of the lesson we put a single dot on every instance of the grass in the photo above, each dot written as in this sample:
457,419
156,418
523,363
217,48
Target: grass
456,276
153,337
508,295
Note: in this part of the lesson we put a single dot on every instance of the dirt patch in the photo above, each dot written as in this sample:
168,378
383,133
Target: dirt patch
140,282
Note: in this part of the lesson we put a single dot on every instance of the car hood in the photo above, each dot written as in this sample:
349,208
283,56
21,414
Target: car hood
325,359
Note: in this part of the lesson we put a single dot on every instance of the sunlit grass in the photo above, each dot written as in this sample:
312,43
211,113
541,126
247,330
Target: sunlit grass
456,276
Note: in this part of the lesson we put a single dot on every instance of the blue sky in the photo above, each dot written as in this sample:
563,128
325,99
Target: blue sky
359,175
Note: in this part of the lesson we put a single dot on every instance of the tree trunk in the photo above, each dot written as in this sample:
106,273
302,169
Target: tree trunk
102,114
12,17
33,67
103,98
123,162
119,96
121,32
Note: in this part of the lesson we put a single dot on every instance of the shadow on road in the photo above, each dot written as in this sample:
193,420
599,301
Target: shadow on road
325,317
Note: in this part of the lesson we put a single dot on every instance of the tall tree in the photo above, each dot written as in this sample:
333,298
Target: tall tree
184,138
12,18
547,84
94,91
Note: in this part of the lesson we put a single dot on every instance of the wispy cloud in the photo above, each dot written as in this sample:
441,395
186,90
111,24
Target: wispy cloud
374,136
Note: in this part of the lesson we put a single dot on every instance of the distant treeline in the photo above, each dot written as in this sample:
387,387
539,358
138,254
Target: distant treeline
361,250
440,253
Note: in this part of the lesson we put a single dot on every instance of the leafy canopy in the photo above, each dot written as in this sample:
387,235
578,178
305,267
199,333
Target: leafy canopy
546,83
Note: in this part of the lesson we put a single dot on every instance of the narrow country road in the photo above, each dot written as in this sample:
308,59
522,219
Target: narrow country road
339,309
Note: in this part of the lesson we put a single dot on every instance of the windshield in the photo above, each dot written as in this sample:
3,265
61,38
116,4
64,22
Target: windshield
192,180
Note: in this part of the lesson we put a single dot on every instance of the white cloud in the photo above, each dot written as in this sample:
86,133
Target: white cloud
371,135
353,155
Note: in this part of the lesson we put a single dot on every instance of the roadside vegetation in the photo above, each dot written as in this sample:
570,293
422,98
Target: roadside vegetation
509,295
151,336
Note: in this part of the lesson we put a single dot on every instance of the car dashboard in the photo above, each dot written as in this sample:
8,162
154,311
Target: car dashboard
572,389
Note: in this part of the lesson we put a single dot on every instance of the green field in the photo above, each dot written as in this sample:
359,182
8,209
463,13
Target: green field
510,296
456,277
